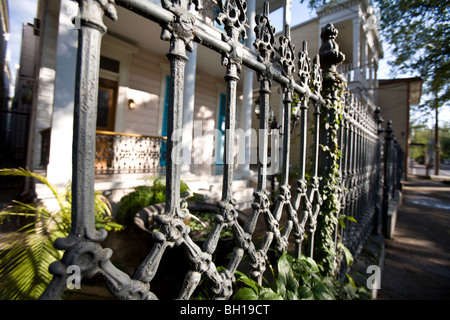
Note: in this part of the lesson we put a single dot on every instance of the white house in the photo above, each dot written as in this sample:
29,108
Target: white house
133,93
132,101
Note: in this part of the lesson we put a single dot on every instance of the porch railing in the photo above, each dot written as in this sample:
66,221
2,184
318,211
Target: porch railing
340,121
129,153
347,70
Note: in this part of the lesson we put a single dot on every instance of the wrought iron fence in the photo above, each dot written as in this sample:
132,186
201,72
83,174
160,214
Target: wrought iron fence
339,121
129,153
360,167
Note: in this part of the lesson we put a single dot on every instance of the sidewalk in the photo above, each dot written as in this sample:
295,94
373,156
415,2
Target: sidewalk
417,259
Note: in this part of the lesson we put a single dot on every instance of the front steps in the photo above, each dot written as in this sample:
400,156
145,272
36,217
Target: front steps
210,189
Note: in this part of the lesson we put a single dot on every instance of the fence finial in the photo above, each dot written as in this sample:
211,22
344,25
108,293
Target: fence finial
233,17
287,53
92,13
389,131
265,38
304,66
330,56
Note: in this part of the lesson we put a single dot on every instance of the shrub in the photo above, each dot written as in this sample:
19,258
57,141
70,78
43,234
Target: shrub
299,279
141,197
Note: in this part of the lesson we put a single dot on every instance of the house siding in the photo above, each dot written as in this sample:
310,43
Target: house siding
393,100
147,70
46,80
144,89
207,93
309,32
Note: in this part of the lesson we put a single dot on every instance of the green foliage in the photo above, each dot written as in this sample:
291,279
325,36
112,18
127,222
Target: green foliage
325,251
141,197
299,279
418,33
249,289
422,141
26,254
445,148
202,224
444,139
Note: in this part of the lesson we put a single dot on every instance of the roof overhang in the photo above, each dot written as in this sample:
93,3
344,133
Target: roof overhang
414,85
273,5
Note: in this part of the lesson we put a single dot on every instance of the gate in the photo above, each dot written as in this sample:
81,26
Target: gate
346,167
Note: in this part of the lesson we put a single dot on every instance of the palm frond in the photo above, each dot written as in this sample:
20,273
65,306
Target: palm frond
24,262
25,255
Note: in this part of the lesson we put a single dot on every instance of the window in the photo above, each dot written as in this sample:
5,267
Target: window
220,142
164,123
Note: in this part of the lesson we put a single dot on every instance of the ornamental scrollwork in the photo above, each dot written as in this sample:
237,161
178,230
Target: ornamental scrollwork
265,39
233,17
182,27
287,54
304,66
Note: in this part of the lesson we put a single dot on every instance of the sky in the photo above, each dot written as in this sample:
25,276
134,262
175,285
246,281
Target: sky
23,11
20,12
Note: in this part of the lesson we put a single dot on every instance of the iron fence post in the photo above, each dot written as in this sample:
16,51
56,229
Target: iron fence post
387,173
83,238
378,216
332,92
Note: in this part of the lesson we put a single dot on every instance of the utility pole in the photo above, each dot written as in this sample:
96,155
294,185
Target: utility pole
436,144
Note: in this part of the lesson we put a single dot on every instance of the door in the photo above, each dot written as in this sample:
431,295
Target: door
106,107
106,110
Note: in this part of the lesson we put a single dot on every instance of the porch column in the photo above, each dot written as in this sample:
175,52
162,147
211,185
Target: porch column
287,14
356,48
375,80
247,104
364,57
188,109
59,169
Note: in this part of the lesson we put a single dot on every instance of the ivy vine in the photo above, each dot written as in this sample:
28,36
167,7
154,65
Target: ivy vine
328,249
327,252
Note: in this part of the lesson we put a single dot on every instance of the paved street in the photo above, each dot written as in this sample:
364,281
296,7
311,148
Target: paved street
417,260
420,170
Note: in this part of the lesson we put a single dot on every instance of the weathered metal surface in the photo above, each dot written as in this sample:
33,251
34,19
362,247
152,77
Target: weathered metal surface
359,143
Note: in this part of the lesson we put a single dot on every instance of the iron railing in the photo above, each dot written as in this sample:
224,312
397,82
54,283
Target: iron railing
296,210
129,153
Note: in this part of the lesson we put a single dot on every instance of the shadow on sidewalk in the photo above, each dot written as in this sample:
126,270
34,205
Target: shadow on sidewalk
417,258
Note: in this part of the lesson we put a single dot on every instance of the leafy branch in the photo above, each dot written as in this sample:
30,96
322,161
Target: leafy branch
26,254
331,187
298,279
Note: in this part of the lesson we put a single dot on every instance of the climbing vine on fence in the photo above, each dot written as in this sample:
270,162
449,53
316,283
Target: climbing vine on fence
325,251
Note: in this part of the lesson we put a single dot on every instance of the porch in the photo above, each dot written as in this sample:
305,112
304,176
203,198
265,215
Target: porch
124,161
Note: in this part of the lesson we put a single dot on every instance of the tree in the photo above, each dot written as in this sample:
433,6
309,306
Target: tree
445,142
418,33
